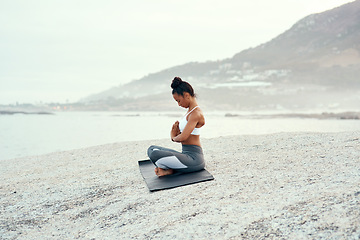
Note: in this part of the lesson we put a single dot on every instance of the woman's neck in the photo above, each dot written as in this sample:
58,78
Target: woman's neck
192,104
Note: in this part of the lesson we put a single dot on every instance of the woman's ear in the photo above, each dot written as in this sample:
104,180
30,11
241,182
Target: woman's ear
186,95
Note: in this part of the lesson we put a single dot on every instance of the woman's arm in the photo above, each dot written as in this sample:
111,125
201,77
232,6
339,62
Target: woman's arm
191,124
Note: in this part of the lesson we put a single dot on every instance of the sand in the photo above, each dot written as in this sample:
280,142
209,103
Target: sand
277,186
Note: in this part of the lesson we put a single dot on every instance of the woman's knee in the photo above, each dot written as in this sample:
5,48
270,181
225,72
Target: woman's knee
151,149
156,155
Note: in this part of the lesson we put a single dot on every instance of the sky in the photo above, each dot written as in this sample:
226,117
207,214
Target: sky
64,50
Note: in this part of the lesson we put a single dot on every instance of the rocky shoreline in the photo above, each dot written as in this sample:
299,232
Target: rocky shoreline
277,186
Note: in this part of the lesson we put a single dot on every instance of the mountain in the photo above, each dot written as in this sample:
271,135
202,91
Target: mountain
314,64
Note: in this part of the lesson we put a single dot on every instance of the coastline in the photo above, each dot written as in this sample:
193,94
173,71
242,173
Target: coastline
324,115
283,185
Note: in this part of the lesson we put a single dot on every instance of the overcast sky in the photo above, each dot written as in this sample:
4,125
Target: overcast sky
63,50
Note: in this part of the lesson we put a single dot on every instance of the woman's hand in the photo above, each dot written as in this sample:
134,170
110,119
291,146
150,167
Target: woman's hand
175,130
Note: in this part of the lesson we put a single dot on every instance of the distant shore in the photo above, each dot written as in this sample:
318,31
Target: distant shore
324,115
25,112
279,186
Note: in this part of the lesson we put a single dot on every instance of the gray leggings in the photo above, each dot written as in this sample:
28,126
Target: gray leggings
191,158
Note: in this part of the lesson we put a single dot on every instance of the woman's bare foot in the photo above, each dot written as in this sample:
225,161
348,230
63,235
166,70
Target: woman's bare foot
163,172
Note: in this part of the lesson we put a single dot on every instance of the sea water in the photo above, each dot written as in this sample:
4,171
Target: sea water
32,134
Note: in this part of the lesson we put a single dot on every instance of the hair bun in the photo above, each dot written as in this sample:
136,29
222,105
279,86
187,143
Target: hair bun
176,82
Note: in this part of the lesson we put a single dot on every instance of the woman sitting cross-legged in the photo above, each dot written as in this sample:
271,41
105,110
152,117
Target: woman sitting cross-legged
185,131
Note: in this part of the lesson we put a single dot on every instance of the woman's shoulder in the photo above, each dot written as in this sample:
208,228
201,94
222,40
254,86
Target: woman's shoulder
197,113
199,117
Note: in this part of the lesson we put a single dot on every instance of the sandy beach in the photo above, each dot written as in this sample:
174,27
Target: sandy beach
277,186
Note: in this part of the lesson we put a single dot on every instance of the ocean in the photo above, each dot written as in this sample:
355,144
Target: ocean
35,134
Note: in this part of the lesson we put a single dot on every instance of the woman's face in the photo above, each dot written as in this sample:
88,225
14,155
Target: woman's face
181,100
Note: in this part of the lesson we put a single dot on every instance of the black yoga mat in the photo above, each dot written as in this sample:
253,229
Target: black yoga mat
156,183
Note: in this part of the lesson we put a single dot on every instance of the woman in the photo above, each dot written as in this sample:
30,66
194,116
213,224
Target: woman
186,131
